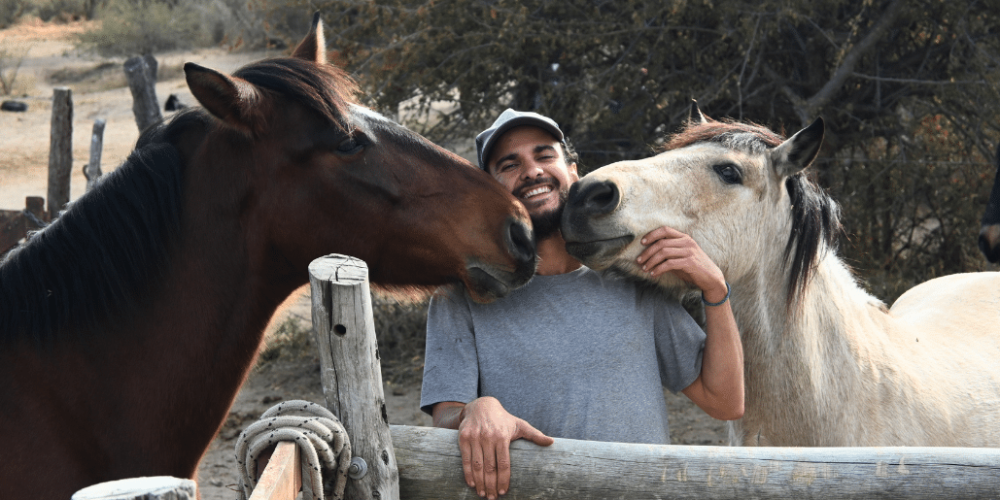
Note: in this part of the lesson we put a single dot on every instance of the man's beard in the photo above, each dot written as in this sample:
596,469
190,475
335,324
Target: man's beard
546,224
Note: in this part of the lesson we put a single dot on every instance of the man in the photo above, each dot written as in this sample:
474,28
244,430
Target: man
572,354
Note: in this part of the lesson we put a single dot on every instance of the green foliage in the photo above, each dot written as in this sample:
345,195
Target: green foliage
65,10
891,78
12,10
134,27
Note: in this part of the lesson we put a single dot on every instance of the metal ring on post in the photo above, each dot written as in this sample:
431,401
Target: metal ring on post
358,468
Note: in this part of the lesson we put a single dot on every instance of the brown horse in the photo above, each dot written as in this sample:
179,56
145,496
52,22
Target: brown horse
128,326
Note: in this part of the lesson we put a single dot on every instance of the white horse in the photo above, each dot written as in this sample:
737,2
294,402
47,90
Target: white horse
826,363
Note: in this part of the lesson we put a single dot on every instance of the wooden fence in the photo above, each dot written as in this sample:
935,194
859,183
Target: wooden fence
14,224
424,463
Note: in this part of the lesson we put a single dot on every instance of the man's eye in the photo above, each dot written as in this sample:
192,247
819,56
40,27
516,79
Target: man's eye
506,166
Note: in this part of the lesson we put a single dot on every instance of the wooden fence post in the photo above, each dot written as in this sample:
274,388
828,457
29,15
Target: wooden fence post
92,171
141,74
351,371
141,488
60,150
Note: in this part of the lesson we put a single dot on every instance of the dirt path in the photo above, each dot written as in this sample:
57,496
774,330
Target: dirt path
24,145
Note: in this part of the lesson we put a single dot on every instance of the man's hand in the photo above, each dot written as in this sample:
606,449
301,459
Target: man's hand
485,431
669,250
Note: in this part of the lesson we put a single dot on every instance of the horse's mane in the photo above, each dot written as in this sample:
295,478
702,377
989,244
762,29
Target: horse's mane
91,265
88,267
325,89
815,216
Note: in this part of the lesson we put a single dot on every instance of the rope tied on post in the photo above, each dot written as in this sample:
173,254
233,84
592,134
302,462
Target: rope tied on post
317,433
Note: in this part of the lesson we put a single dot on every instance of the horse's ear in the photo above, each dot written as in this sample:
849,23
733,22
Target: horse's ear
229,98
313,46
695,115
799,151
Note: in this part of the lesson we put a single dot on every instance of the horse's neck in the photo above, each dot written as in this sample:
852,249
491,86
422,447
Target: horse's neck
206,329
799,362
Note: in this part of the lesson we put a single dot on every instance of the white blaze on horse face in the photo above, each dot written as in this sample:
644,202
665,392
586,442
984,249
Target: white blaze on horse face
683,189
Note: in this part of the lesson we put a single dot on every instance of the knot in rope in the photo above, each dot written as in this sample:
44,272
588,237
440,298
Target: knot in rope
319,436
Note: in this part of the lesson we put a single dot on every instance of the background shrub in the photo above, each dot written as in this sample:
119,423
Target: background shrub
131,27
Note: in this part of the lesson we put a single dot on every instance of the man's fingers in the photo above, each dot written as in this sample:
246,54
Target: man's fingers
466,447
660,233
478,474
656,254
489,483
503,470
526,431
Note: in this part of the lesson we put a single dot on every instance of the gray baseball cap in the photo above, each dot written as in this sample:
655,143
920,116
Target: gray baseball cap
508,120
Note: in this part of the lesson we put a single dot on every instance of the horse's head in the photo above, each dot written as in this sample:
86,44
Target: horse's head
729,185
324,175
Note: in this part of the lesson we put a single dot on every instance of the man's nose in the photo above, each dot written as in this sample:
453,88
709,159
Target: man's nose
532,170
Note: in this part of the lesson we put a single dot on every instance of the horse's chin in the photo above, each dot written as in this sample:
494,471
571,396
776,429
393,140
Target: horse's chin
487,283
599,254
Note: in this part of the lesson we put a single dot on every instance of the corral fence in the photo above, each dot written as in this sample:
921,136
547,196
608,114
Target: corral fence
425,463
17,223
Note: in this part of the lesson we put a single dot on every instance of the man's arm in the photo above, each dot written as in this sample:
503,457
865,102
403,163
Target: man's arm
485,430
719,388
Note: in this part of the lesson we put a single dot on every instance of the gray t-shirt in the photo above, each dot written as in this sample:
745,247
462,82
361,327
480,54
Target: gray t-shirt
577,355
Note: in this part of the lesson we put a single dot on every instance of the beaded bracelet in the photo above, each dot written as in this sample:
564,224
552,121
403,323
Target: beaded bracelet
719,303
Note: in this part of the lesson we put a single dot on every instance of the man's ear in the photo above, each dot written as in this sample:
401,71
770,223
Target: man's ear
573,172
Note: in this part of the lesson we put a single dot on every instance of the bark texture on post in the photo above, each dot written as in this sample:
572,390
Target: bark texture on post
141,74
351,371
60,150
141,488
93,169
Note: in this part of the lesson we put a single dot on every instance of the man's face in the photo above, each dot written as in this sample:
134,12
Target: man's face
530,163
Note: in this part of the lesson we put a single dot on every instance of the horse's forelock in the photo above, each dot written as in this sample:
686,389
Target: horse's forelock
738,135
815,229
323,88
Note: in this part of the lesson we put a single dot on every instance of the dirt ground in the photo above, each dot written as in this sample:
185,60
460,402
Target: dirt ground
99,91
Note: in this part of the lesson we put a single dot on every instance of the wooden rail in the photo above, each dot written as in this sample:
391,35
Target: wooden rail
282,478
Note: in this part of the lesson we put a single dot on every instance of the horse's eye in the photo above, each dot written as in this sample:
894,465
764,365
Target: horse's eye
350,145
729,173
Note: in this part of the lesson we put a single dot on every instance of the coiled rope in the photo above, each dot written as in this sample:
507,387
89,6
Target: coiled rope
319,436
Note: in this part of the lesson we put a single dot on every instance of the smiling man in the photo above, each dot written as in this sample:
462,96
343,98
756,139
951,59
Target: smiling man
572,354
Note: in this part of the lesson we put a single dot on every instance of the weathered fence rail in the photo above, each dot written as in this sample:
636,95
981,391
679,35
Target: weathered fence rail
430,466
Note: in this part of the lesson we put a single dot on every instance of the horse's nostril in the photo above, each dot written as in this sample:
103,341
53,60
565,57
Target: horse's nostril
600,198
520,241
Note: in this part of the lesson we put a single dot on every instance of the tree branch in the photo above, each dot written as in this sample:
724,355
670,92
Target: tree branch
846,69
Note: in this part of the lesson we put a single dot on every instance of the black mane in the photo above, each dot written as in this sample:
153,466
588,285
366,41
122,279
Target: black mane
815,229
91,265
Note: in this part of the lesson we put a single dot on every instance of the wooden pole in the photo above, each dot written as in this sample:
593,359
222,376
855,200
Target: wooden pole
351,372
141,488
430,466
282,478
141,74
60,150
93,169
